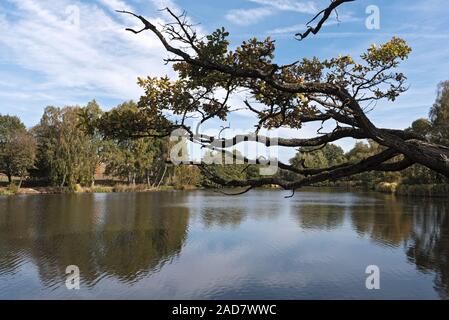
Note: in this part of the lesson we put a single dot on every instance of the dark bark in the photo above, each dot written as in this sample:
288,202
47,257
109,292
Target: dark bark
397,143
325,16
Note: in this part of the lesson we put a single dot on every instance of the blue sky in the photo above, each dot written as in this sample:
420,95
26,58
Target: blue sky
48,58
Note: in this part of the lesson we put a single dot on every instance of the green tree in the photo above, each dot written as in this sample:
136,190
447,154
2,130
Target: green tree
325,156
183,176
130,160
226,165
17,148
430,131
337,90
67,153
422,128
439,115
134,159
370,179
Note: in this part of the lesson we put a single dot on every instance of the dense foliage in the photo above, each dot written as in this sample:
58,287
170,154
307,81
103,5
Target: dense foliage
69,149
17,148
71,145
67,154
131,140
212,74
435,129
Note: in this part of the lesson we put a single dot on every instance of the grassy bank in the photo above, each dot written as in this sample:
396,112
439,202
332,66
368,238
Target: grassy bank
8,191
386,187
424,190
13,190
420,190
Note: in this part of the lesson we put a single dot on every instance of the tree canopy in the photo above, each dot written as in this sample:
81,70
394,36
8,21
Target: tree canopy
17,148
439,114
68,154
135,159
338,90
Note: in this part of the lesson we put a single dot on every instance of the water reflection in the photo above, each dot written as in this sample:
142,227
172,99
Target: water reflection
387,222
204,245
124,237
320,217
428,247
223,217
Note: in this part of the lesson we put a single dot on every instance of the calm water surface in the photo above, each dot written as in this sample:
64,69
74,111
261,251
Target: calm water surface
204,245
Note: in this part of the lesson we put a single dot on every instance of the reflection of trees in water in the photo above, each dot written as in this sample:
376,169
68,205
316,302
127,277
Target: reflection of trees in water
223,217
429,244
421,226
118,237
385,222
129,236
320,217
227,211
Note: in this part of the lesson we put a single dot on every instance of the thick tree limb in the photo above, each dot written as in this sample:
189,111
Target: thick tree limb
368,164
340,133
342,107
283,142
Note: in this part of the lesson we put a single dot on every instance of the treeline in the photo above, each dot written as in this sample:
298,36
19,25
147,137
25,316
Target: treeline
417,180
71,146
332,155
65,150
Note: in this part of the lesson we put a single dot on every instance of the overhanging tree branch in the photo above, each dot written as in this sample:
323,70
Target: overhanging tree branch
365,165
301,92
325,16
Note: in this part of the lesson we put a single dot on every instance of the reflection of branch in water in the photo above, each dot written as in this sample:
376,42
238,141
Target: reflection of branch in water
235,194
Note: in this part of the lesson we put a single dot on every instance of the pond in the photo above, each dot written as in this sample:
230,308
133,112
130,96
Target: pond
205,245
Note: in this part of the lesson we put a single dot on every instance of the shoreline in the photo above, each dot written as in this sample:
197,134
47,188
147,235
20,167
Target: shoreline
423,191
6,192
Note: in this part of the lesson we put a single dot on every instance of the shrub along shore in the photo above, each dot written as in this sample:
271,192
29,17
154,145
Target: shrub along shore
118,188
419,190
71,151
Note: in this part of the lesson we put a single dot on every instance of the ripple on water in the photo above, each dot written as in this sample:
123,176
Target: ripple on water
202,245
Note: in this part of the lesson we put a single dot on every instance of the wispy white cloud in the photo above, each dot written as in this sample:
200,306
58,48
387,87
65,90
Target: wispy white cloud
244,17
428,6
250,16
342,19
70,60
161,4
289,5
116,4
